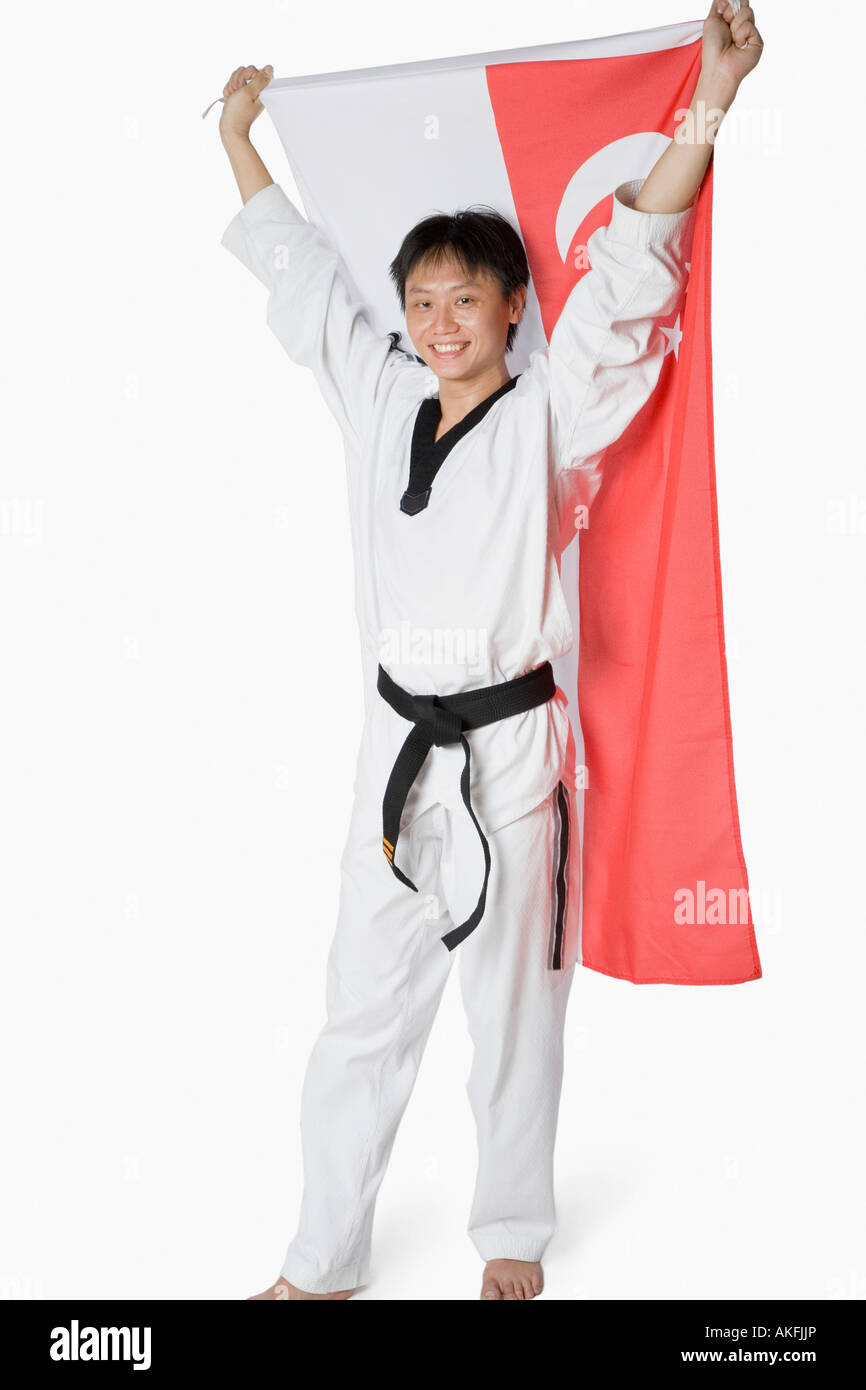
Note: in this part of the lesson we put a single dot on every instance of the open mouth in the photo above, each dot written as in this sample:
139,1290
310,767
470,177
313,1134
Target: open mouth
449,349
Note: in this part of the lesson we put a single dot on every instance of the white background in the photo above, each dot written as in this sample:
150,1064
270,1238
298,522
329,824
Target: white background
181,702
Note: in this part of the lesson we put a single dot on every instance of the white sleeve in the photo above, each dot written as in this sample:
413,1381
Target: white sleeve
606,350
313,308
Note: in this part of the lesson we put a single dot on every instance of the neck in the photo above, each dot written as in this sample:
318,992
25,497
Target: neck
457,398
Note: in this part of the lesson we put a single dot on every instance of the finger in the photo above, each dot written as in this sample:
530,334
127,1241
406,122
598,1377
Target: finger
261,79
746,16
747,37
232,82
228,87
728,13
242,76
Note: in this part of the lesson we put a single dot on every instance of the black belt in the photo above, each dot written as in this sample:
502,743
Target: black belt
441,719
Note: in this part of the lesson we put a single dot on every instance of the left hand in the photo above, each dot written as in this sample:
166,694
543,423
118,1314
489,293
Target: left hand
731,47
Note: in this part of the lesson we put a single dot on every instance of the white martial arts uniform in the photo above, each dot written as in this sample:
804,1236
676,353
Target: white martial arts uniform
464,594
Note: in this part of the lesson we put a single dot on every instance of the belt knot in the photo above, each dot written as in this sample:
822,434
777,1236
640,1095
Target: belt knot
445,724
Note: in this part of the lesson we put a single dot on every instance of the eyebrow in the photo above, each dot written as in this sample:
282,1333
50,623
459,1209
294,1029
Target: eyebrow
423,289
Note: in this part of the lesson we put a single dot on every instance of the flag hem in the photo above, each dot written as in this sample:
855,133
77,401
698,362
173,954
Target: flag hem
627,44
631,980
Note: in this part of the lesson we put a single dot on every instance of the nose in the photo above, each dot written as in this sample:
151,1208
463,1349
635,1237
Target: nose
444,321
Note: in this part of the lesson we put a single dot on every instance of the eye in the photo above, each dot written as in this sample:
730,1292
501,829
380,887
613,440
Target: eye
465,299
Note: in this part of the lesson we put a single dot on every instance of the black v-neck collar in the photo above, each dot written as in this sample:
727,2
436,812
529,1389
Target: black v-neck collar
428,453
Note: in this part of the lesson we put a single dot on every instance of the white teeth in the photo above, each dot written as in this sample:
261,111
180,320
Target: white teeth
449,347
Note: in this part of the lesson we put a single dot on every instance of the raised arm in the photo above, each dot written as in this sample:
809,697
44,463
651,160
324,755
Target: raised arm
313,308
607,349
731,47
241,106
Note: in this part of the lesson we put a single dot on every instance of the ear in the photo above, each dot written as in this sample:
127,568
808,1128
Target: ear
518,303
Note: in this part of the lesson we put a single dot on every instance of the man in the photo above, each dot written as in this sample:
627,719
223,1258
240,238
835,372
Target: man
463,484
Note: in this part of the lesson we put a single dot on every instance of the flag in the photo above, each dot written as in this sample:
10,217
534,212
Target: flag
545,135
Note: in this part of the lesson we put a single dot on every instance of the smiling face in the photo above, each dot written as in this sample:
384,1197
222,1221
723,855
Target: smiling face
457,320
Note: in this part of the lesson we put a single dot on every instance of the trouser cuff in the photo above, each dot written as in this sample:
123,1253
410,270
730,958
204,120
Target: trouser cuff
350,1276
491,1247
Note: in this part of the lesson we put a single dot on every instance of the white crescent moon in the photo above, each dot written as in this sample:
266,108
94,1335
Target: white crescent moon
632,157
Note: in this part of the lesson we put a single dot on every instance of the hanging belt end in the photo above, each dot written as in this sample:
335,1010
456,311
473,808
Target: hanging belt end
388,850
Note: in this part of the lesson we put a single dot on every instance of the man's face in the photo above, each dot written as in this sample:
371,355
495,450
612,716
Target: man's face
458,323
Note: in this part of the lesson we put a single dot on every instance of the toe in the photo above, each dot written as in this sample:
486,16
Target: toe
490,1289
508,1289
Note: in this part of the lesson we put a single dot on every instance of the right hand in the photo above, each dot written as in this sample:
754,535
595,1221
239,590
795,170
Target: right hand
241,105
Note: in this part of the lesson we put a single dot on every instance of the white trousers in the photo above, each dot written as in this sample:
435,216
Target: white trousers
387,968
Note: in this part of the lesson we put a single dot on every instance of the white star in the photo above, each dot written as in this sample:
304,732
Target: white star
674,337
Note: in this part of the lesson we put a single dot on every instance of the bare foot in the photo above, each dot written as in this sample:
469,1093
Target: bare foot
511,1279
287,1292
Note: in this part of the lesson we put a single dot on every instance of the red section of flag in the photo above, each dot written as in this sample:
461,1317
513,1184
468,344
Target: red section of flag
665,888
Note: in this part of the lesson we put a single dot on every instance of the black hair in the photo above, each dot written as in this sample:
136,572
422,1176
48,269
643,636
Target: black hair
478,238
